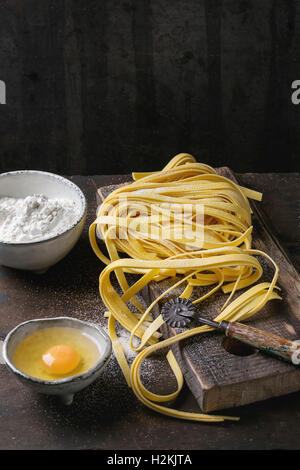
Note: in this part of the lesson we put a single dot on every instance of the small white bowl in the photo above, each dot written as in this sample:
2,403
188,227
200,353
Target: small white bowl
65,388
38,256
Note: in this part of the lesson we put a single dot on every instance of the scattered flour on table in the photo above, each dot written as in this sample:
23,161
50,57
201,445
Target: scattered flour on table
35,218
124,339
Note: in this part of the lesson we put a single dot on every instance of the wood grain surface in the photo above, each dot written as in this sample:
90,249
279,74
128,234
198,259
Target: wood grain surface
107,415
217,377
264,340
104,86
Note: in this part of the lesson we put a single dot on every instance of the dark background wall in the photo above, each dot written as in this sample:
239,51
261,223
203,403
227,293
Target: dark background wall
107,86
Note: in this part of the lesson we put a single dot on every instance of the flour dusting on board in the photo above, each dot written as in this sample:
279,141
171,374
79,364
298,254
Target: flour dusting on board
35,217
124,339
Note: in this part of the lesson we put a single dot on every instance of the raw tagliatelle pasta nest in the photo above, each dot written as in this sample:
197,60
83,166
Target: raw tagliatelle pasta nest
189,224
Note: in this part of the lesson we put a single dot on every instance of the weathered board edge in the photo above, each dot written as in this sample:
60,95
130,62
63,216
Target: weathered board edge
209,396
288,275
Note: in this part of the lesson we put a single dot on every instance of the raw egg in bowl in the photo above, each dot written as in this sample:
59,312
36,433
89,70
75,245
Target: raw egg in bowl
57,356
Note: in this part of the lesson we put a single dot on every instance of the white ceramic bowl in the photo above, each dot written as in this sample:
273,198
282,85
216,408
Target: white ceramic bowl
40,255
65,388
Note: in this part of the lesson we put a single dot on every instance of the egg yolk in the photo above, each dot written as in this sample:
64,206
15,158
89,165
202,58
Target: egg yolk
61,359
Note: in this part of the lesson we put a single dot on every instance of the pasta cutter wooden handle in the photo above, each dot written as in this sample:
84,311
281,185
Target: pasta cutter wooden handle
263,340
180,312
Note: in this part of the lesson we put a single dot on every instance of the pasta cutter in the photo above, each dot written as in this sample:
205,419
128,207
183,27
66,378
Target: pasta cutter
180,312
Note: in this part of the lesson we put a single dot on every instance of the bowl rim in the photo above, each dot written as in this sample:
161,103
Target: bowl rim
65,181
71,379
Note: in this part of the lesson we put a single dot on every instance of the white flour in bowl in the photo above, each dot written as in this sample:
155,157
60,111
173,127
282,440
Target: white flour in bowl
35,218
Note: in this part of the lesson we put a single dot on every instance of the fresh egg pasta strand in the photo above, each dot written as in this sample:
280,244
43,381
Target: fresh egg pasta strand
223,257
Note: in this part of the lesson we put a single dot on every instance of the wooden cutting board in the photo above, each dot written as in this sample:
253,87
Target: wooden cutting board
223,374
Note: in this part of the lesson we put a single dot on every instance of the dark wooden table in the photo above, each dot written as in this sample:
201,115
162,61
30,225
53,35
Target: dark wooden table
107,415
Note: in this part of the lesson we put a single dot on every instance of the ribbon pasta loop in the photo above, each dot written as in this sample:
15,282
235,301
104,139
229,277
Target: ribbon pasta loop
190,224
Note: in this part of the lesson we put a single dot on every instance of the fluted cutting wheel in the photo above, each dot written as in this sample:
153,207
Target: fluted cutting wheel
178,312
